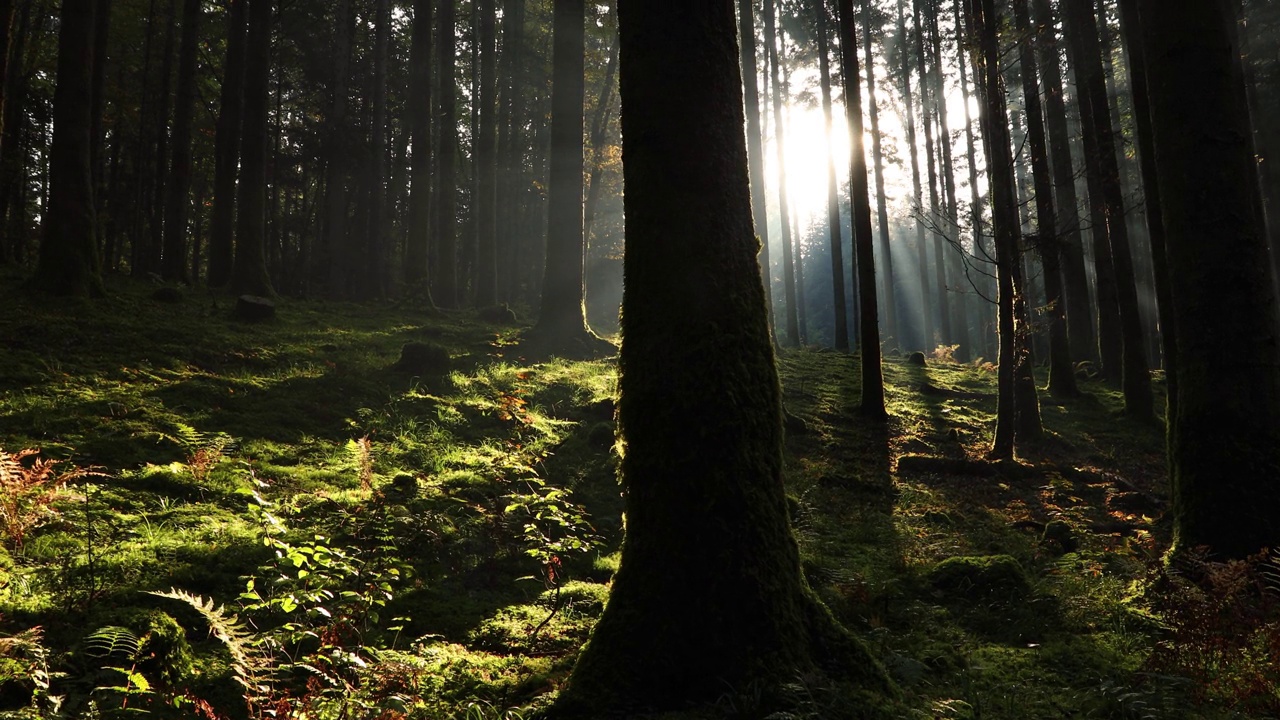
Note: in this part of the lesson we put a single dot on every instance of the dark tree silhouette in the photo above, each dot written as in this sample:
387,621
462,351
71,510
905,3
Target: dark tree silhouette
177,207
69,262
444,280
1224,445
227,149
249,271
755,138
709,593
418,237
487,162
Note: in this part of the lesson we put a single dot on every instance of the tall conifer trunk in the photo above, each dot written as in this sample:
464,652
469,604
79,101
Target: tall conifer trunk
890,305
227,148
249,271
771,38
178,201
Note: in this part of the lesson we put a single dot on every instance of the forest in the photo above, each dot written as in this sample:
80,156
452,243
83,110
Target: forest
668,359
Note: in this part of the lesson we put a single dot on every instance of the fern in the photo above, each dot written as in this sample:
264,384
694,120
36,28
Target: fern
28,492
252,666
112,640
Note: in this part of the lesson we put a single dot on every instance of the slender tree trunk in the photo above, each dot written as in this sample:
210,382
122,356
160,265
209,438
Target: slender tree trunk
959,332
11,120
418,238
872,399
153,257
1135,374
599,127
1224,445
227,149
834,229
444,286
178,202
1004,218
510,144
7,8
563,314
928,105
373,270
249,270
1062,377
486,203
69,263
978,258
706,514
1079,309
101,32
771,38
892,331
1152,197
908,100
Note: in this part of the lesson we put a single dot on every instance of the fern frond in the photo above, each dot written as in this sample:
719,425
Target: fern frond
252,667
110,640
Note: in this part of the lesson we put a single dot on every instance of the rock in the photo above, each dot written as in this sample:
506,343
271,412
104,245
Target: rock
499,315
987,576
917,359
250,308
167,294
423,358
1060,536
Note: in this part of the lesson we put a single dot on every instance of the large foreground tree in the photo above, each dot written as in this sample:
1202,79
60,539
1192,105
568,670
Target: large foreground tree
69,263
1224,444
709,594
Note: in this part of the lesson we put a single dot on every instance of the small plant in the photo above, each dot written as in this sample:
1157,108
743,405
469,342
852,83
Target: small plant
945,353
362,453
28,491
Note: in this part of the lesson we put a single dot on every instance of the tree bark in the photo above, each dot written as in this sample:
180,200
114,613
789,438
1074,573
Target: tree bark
927,336
1224,445
979,254
374,279
951,256
928,106
709,593
249,270
418,238
486,202
755,141
892,331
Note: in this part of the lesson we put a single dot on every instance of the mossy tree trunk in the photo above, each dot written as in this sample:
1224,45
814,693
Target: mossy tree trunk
863,238
709,594
1225,435
563,314
69,262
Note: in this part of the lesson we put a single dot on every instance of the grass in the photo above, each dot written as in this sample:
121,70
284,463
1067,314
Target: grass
440,546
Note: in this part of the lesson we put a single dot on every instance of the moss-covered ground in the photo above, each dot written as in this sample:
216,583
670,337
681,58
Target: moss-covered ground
436,542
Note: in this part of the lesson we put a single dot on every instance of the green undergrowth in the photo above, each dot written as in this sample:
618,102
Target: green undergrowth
281,519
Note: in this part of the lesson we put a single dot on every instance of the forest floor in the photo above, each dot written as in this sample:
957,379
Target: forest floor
335,533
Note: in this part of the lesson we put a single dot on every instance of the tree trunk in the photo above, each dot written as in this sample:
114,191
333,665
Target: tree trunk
928,103
486,203
908,99
784,207
152,257
69,262
373,282
892,331
177,201
444,285
563,314
973,278
418,238
709,593
1004,219
834,227
1081,338
1152,198
1135,375
863,238
1062,377
227,149
249,271
959,323
1224,445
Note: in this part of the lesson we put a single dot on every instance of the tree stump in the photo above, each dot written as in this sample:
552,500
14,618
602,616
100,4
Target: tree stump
251,308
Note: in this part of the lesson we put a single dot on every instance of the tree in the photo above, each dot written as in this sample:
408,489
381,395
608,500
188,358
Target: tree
709,592
1062,377
69,262
882,204
249,271
1013,420
784,204
444,282
917,195
227,149
487,162
755,138
863,240
1224,438
177,202
563,316
418,238
834,233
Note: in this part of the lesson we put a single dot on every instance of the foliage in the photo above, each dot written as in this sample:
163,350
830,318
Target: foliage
29,487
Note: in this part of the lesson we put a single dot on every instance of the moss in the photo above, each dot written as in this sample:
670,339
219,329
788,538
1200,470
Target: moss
423,358
981,576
